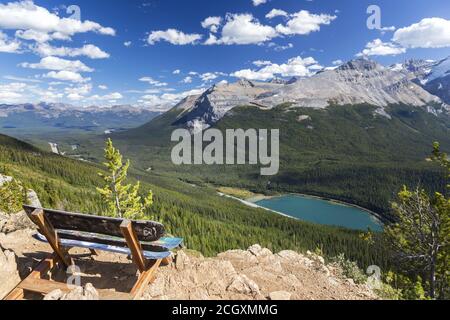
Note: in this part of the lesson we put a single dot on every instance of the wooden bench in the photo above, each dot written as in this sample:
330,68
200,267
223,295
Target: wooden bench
142,240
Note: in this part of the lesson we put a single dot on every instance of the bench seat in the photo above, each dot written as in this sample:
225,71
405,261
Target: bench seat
168,243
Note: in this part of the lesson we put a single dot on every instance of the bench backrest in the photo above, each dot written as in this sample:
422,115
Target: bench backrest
67,221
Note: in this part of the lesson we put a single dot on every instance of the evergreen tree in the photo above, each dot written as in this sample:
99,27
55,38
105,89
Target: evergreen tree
420,238
123,200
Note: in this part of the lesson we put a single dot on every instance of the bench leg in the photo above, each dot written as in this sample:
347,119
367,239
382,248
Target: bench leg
144,279
16,294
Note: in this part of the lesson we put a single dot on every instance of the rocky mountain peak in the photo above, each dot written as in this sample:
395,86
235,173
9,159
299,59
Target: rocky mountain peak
361,64
245,83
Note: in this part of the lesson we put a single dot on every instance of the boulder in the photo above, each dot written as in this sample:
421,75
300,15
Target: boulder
87,292
9,276
257,251
243,285
33,199
15,222
182,260
280,296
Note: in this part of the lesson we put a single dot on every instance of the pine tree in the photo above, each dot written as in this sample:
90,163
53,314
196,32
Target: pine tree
420,238
122,200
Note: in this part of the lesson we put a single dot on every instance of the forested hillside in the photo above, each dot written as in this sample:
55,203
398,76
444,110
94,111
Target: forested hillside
208,222
342,152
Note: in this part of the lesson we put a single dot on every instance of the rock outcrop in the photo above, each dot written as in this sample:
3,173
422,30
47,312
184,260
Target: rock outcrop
254,274
9,276
13,221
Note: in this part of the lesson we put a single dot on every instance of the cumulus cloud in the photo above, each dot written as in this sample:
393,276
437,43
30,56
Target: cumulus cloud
178,71
153,82
276,13
87,50
258,2
428,33
127,43
66,76
244,29
212,23
167,100
295,67
36,21
173,36
304,22
8,46
188,79
12,92
58,64
379,48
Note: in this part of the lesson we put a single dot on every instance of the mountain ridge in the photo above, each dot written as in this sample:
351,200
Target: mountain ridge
355,82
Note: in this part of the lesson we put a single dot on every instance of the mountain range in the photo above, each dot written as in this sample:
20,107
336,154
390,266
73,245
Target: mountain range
50,117
415,83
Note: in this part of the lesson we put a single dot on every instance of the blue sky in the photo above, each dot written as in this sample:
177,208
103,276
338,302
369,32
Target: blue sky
154,52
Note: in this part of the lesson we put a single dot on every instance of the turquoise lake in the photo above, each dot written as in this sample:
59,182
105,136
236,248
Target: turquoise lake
322,212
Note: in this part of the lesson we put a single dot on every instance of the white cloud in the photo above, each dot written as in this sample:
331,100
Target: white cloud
153,82
103,87
304,22
337,62
167,100
428,33
8,46
12,92
276,13
187,80
209,76
66,76
260,63
87,50
245,29
112,96
127,43
58,64
33,35
282,48
258,2
212,23
173,36
14,78
176,71
25,15
297,66
380,48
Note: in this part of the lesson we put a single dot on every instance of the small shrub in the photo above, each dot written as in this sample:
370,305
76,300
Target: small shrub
12,196
350,269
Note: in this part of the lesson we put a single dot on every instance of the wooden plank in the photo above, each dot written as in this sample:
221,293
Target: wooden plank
145,230
144,279
46,228
42,286
46,286
134,245
44,266
108,240
16,294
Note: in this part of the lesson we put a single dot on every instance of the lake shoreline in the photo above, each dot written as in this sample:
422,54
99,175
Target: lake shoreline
260,197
